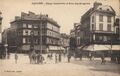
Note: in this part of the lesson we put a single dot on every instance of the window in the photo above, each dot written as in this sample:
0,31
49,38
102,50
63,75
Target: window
29,26
35,26
109,27
108,10
93,27
36,40
105,38
92,18
29,40
35,33
26,32
108,38
24,41
100,26
38,33
108,18
117,30
117,20
101,18
100,38
24,25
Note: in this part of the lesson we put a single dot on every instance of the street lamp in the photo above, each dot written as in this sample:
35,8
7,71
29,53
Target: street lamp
40,30
6,45
111,49
32,41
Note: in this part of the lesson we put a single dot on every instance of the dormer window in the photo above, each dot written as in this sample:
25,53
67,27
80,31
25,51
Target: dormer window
101,18
108,10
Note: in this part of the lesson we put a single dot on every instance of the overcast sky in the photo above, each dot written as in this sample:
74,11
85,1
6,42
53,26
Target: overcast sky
65,15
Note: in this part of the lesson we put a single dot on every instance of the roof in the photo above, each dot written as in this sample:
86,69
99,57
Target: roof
32,16
99,8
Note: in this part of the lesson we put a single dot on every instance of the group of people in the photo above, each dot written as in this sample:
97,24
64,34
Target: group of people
102,56
58,57
36,58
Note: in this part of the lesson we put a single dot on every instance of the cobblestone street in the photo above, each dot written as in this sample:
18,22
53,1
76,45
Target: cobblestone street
74,68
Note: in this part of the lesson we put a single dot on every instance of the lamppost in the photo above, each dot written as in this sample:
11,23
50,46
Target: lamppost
111,50
6,51
40,36
6,45
32,40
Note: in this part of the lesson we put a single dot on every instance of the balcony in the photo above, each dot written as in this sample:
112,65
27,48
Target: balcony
102,32
105,42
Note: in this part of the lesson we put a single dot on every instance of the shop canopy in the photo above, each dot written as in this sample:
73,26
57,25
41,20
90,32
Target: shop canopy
97,47
56,48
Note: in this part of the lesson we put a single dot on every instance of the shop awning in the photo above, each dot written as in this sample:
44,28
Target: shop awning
97,47
56,48
116,47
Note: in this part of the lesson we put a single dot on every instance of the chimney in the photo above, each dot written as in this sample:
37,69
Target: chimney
23,15
46,15
17,18
96,4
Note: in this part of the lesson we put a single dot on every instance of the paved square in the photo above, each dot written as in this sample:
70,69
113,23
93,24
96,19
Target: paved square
74,68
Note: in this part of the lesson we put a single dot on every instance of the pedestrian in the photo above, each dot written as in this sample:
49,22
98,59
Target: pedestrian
103,59
69,57
56,59
60,58
34,57
42,59
80,56
16,58
51,56
90,56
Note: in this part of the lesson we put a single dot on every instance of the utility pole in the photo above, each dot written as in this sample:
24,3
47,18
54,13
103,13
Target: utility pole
41,37
111,49
6,45
32,43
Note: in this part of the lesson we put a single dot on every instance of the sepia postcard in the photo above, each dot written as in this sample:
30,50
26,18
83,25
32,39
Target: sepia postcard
59,37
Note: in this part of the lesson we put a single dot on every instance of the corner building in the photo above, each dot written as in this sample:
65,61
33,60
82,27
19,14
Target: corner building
98,24
46,33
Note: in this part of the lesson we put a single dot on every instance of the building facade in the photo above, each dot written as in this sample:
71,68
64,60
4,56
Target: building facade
97,24
98,31
0,26
37,31
117,27
73,39
64,40
2,49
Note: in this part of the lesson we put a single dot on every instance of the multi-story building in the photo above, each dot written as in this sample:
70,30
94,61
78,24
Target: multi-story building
73,41
117,27
98,24
2,49
37,31
98,29
64,40
0,27
78,35
9,39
